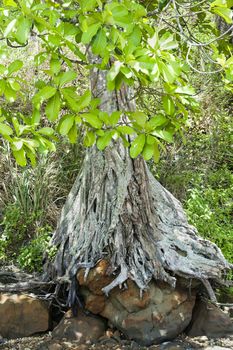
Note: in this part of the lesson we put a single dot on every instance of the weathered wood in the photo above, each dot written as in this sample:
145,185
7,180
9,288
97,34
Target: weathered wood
12,281
119,211
24,286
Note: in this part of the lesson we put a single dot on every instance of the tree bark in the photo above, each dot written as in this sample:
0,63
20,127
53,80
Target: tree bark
117,210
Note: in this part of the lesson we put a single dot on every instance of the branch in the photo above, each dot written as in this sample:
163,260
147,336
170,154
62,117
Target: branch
210,290
23,286
15,46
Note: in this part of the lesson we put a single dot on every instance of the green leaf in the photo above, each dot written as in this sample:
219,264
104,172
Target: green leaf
156,154
71,98
73,134
140,118
168,72
87,5
148,151
55,65
20,157
93,120
118,11
53,107
186,90
11,3
167,42
67,77
66,124
125,130
2,86
44,94
164,135
100,43
16,145
114,118
114,70
155,121
14,84
104,117
46,131
14,66
16,125
23,27
90,32
35,116
89,139
104,141
45,144
5,129
150,140
222,3
137,145
10,94
168,105
135,36
85,100
10,27
225,13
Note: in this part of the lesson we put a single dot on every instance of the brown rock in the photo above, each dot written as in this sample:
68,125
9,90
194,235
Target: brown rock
97,278
94,303
22,315
82,328
209,320
160,313
132,293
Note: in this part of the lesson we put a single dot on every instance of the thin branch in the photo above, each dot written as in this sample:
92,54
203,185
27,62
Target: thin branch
15,46
197,70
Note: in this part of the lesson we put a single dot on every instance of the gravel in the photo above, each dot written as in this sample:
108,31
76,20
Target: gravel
45,342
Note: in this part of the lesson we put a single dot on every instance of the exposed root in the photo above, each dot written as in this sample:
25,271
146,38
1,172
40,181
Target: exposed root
117,210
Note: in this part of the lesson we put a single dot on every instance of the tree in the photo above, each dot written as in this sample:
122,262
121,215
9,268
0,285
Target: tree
116,208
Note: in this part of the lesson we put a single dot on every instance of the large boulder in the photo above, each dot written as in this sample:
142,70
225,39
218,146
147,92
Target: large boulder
82,328
160,313
209,320
22,315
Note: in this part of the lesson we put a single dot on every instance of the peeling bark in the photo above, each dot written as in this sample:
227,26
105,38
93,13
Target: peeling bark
117,210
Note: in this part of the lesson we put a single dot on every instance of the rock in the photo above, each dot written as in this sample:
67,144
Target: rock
160,314
83,328
22,315
97,278
210,321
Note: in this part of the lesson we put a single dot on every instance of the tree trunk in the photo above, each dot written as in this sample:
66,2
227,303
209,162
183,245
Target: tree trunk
118,211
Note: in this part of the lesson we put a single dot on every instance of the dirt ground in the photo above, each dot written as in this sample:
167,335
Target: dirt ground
45,342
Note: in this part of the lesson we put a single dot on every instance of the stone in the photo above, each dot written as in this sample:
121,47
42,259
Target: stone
160,313
97,278
22,315
210,321
82,329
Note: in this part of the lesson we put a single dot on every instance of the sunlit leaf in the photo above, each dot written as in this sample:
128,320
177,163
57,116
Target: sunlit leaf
137,145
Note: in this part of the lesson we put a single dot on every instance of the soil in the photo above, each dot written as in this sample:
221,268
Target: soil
45,342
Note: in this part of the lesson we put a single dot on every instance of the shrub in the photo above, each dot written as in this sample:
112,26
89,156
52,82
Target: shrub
210,209
31,255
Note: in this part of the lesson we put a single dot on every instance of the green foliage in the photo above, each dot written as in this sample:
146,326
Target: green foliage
31,255
210,209
31,198
128,41
15,227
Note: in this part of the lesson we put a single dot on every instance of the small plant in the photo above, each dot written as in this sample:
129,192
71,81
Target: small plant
31,255
15,230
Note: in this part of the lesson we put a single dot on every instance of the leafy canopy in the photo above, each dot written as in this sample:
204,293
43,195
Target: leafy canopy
138,43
